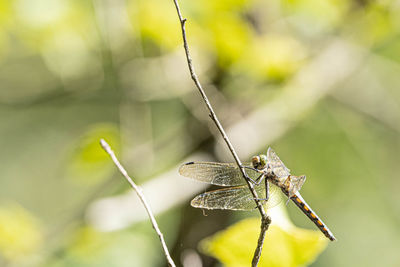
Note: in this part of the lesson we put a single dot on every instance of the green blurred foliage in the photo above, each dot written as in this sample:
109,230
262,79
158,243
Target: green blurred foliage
276,57
20,233
72,72
155,24
88,163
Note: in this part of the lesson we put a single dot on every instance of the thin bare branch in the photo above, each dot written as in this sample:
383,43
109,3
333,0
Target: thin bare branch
265,221
138,190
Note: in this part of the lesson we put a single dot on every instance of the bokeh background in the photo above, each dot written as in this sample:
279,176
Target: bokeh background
316,80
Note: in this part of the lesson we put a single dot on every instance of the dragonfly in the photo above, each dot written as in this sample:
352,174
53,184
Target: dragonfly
237,196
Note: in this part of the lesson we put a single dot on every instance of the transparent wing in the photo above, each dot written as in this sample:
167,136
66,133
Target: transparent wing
236,198
223,174
276,164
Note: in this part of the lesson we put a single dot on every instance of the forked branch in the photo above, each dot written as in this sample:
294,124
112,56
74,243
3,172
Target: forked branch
265,220
138,190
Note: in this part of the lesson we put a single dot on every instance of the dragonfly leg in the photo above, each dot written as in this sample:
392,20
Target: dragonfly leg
266,191
259,178
250,168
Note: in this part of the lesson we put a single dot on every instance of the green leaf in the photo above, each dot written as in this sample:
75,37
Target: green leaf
283,246
89,164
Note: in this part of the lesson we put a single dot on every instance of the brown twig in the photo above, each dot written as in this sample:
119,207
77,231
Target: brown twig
138,190
265,220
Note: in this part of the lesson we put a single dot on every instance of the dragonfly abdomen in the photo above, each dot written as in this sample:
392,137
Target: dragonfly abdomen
299,201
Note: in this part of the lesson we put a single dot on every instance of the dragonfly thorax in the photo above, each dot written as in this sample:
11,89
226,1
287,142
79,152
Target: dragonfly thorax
259,162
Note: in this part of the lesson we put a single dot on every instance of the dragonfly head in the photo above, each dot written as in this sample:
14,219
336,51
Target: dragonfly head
259,162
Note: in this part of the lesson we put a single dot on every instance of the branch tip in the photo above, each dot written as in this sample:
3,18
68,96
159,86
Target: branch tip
103,143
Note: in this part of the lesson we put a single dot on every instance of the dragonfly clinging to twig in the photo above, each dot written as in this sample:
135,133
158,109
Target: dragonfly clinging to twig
268,168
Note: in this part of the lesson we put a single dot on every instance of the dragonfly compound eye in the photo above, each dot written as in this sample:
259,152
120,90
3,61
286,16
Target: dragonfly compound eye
263,160
255,161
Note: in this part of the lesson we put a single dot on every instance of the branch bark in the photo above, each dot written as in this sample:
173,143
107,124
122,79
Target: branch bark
265,220
138,190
